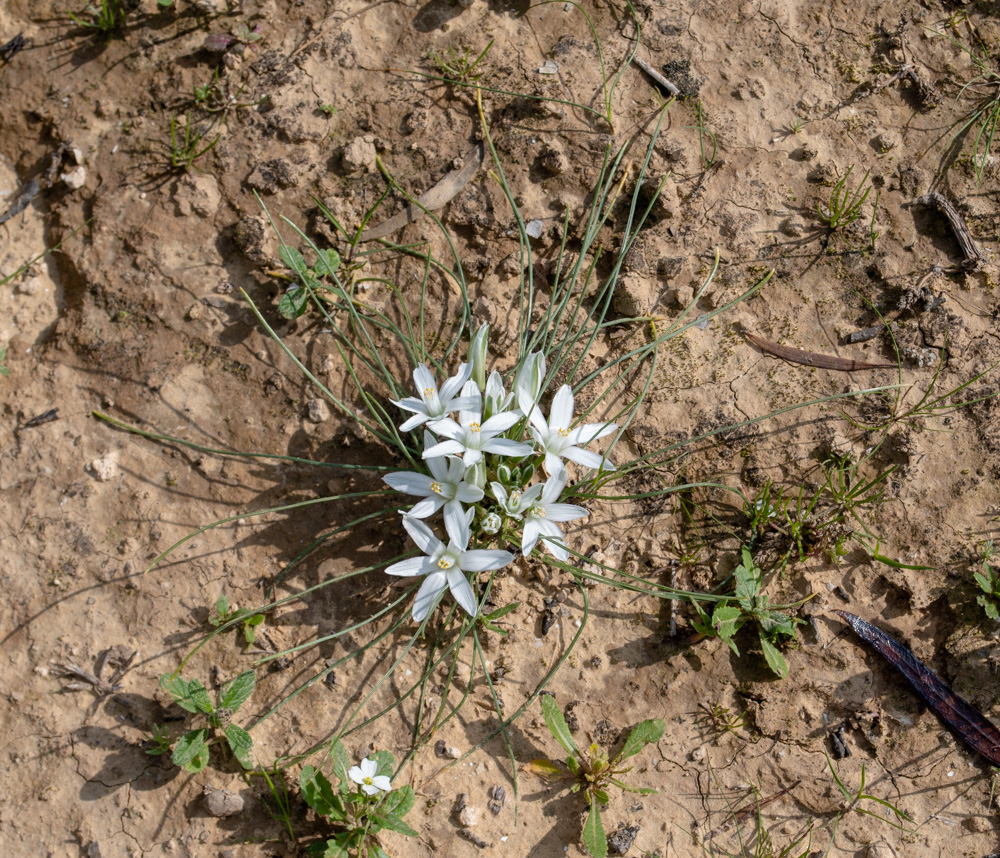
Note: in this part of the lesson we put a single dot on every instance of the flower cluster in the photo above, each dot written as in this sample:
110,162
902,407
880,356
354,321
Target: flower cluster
480,469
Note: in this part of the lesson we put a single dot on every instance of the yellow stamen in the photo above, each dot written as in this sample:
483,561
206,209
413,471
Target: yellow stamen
540,511
445,563
515,498
428,392
474,427
436,487
564,433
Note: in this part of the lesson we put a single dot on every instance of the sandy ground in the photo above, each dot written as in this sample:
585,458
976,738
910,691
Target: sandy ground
138,315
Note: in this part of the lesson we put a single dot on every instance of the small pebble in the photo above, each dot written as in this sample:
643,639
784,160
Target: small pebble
222,802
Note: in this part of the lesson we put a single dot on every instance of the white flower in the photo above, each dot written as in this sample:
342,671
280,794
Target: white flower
540,520
529,378
472,437
364,776
445,566
557,440
496,400
432,404
491,523
477,355
445,487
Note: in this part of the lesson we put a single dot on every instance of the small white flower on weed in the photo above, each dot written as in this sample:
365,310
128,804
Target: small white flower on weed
446,565
516,501
364,776
433,405
445,487
472,436
540,520
557,440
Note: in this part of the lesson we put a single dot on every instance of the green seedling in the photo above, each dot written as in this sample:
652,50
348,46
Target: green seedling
282,798
191,751
854,800
845,204
594,772
749,604
228,615
704,137
459,66
488,621
361,805
720,720
989,582
187,144
4,369
328,109
296,299
107,17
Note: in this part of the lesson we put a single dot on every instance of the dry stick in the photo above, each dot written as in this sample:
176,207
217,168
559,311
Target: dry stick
668,85
974,257
805,358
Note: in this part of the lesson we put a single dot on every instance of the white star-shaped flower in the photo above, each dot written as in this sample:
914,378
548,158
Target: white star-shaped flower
446,565
471,436
364,776
433,405
445,487
540,520
517,501
555,437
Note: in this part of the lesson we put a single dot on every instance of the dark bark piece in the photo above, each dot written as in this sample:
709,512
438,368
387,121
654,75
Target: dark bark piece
971,725
790,353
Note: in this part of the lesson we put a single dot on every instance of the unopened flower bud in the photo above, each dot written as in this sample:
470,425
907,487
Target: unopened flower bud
503,474
531,375
476,475
477,356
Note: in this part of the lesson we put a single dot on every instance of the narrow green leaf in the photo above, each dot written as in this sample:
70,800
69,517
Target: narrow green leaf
191,749
595,841
557,724
646,733
241,744
236,693
502,612
775,660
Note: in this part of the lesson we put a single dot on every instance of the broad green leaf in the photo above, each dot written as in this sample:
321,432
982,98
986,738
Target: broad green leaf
236,693
646,733
727,619
985,584
393,823
385,761
341,762
241,744
191,750
293,303
327,263
376,851
557,724
293,259
319,794
192,696
748,577
399,802
595,841
775,660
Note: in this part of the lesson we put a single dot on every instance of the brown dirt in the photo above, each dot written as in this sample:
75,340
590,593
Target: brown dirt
139,316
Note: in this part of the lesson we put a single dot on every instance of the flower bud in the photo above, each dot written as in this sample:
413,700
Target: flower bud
526,472
503,474
491,523
477,356
476,475
530,376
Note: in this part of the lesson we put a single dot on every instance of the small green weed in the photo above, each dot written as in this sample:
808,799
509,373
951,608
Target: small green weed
296,299
459,66
845,204
187,144
855,799
748,604
361,805
226,615
107,18
4,369
719,720
989,582
595,772
191,751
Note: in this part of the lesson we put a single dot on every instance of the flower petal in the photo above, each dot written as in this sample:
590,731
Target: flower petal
468,494
454,384
411,566
411,404
583,435
530,534
564,512
500,422
382,782
506,447
461,589
428,594
587,458
457,525
421,534
369,767
428,506
423,378
409,483
561,411
356,775
445,448
483,560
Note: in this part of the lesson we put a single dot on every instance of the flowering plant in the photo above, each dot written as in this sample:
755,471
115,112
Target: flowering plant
480,469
